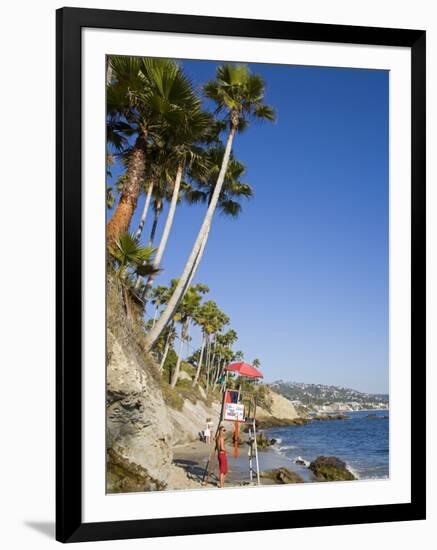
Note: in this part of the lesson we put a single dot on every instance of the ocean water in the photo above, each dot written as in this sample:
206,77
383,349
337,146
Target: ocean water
360,441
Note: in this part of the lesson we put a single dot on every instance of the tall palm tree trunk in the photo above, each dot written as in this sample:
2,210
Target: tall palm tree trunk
174,378
199,365
219,370
158,208
208,361
121,218
167,228
166,350
142,222
187,340
211,356
155,315
208,355
197,262
145,210
164,355
173,303
211,369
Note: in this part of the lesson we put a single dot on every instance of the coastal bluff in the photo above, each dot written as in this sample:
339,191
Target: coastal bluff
145,424
280,409
142,428
139,430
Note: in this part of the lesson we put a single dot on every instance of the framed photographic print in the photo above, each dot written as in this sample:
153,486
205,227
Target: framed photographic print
241,274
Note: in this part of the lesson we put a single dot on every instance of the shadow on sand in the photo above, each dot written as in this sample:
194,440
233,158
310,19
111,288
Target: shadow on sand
195,470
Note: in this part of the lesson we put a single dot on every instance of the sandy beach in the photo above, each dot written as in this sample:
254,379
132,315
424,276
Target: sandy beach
193,460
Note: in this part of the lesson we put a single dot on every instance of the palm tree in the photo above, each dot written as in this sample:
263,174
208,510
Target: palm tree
238,94
211,320
158,205
184,151
233,189
156,172
169,335
160,295
127,252
223,351
147,93
185,313
160,192
145,209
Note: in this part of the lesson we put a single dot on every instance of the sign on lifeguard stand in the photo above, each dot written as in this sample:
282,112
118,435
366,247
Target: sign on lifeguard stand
233,410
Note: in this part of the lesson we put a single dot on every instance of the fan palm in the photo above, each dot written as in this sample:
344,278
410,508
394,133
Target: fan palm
184,151
147,93
233,190
238,94
127,252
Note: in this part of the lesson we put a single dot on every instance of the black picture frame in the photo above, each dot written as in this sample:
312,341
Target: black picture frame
69,525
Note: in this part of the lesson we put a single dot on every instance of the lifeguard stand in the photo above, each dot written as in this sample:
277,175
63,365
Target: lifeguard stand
240,408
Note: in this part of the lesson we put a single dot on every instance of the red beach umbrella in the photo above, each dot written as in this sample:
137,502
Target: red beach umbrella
244,369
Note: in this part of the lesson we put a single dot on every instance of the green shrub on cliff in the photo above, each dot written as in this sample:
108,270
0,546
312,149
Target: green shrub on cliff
172,397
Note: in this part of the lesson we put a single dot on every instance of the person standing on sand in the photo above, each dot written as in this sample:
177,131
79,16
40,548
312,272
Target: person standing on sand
221,454
208,430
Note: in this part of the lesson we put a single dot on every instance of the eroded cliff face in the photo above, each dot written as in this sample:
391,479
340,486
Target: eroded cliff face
141,428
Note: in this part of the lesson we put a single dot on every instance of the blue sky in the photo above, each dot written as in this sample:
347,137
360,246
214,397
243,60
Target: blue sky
303,272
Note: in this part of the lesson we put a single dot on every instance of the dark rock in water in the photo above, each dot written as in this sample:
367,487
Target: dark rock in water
230,438
282,476
262,441
330,468
322,417
273,441
124,476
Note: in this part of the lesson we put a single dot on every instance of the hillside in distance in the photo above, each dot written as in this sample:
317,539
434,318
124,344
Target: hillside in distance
321,394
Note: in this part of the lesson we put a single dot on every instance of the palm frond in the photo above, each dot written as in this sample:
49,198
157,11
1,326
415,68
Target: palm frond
231,208
266,112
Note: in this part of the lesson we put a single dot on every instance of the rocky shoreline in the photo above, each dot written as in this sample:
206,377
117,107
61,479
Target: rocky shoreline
275,469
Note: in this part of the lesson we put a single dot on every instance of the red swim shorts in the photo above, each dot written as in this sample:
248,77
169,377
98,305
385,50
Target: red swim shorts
223,462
